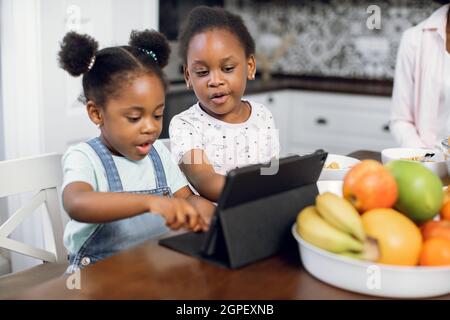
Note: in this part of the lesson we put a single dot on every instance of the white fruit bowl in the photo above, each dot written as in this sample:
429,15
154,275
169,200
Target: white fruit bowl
370,278
345,163
437,163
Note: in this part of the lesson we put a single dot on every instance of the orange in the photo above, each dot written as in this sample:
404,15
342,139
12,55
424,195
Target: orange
399,239
445,211
432,229
435,252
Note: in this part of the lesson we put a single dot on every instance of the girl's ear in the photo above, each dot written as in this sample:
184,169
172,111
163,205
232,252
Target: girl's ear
186,76
95,113
251,67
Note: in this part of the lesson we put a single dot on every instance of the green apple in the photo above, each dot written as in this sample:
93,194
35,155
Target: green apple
420,193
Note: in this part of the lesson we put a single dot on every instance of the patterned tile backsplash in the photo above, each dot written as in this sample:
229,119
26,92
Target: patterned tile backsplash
329,37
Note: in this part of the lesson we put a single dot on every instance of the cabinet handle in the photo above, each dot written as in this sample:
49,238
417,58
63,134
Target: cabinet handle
321,121
386,128
270,99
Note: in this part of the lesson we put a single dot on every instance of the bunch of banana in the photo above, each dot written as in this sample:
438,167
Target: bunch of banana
341,214
335,225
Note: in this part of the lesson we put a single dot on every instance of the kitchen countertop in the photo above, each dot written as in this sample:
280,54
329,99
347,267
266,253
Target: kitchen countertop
284,82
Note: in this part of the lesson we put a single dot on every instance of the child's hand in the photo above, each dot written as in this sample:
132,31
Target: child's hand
204,207
178,213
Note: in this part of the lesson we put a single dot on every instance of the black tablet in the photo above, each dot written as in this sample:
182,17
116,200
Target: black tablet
255,195
261,180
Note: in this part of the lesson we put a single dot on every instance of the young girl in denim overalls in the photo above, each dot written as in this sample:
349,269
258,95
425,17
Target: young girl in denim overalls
122,187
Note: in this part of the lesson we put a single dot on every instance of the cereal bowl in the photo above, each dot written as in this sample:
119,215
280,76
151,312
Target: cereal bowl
436,163
336,167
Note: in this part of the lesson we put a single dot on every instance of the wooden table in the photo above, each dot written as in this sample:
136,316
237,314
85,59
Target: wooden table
150,271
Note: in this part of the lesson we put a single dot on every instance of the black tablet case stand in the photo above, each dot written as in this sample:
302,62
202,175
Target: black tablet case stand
249,231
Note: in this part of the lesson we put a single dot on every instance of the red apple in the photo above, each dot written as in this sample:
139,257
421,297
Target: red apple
369,185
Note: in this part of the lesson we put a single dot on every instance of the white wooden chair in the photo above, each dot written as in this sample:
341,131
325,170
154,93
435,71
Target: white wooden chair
42,174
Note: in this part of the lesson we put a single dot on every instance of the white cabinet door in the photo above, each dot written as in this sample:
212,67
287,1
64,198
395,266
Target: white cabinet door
338,123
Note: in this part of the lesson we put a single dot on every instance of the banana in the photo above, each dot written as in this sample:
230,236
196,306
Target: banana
341,214
315,230
353,255
371,251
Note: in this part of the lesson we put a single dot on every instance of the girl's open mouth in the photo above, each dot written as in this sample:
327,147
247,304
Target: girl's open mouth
144,148
219,99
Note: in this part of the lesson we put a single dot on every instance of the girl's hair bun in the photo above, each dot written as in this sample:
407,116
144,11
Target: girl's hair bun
77,52
151,40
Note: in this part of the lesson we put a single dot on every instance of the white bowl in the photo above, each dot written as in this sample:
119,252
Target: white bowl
370,278
345,163
334,186
437,163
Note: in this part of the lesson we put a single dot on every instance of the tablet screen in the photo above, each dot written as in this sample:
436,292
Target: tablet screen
248,184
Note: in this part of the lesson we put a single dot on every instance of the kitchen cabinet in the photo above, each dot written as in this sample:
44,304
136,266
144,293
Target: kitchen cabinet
336,122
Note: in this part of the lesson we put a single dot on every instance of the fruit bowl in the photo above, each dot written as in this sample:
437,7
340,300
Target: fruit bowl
371,278
344,162
367,277
436,163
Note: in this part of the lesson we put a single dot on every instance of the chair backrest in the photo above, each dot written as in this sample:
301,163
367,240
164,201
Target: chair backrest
41,173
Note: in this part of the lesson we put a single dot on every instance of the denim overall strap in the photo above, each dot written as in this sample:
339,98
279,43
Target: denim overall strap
112,237
159,168
114,182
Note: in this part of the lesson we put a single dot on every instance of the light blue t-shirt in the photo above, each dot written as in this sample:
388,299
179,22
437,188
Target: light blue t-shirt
81,163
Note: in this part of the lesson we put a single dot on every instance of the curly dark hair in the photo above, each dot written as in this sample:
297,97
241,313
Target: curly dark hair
106,70
203,18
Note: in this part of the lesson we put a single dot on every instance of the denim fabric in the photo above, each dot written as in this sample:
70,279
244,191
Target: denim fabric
112,237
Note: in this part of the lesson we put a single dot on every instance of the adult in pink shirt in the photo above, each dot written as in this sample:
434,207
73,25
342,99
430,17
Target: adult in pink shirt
420,110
